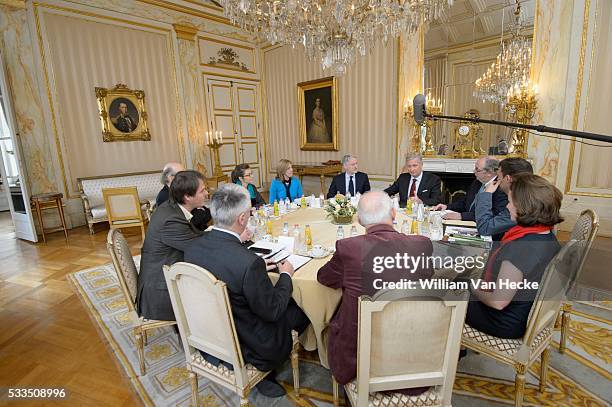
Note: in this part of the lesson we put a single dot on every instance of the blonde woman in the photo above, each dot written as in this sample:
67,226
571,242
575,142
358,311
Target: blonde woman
285,185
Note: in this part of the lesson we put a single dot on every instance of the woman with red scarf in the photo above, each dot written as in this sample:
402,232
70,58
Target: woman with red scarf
521,257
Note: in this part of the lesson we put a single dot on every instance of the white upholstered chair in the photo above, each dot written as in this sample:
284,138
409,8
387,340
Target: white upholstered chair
411,340
124,265
193,289
123,208
584,230
522,353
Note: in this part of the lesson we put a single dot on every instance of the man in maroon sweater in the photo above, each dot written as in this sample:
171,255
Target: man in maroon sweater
354,269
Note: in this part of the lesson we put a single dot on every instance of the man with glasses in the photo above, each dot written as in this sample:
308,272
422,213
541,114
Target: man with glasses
264,313
485,171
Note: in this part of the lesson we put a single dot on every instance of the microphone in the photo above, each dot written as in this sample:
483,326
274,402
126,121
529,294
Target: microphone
419,113
418,105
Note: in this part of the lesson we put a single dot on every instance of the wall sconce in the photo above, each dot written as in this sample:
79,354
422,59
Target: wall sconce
214,141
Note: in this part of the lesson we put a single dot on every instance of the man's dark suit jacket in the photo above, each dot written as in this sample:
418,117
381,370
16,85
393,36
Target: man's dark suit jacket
338,185
430,188
201,216
167,237
345,270
468,211
258,306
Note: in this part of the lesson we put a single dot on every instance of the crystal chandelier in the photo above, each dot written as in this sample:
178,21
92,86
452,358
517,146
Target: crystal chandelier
334,31
509,73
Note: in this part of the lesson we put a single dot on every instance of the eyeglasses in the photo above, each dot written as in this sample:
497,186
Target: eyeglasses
476,169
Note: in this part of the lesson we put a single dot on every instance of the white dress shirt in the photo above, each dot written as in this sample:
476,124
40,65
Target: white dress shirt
187,214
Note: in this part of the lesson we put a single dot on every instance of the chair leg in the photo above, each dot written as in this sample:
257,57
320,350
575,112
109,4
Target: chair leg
295,366
519,384
565,323
145,338
544,368
336,391
194,388
140,349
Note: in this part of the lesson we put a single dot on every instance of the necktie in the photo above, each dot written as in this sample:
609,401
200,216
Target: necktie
412,188
351,187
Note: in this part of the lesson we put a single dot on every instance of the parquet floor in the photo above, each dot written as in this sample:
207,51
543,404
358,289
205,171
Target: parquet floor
46,337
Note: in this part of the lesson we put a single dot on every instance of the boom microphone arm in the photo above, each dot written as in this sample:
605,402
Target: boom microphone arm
420,113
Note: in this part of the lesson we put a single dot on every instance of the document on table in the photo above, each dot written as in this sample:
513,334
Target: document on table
273,247
297,261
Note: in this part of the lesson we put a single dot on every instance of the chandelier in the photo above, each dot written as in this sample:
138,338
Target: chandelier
509,74
333,31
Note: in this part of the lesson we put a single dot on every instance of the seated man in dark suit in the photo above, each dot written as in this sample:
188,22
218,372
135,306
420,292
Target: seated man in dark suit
488,222
485,171
417,185
264,314
201,216
351,269
351,181
168,234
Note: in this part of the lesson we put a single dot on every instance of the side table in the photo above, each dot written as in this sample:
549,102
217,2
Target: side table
49,201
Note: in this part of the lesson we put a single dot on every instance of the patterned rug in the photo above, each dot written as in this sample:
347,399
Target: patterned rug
581,376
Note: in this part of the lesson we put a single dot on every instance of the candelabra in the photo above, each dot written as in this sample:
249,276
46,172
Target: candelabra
415,144
521,105
435,108
214,143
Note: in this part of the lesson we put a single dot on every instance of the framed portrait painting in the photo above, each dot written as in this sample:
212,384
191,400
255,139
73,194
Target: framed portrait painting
122,114
318,114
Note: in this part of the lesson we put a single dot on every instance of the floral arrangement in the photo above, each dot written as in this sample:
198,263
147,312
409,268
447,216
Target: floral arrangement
340,208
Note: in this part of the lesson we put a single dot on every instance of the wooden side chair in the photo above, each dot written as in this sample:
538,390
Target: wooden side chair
522,353
123,208
411,340
124,265
584,230
193,289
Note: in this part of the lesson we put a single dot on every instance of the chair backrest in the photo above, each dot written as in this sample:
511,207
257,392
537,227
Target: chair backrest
122,205
585,230
124,265
410,341
204,315
552,291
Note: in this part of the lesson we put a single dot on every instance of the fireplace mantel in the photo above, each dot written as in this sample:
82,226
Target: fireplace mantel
444,164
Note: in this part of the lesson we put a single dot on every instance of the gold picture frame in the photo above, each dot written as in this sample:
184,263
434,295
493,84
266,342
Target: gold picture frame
122,114
318,114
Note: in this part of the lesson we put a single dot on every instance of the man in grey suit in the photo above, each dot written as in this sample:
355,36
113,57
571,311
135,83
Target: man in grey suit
168,234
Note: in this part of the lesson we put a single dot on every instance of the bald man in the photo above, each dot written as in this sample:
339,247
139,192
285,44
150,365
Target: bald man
201,216
350,268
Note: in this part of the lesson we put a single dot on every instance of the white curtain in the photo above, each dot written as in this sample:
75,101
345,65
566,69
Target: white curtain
435,83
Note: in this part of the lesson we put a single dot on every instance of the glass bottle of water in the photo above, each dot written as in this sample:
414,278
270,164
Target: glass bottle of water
286,229
297,241
354,231
340,233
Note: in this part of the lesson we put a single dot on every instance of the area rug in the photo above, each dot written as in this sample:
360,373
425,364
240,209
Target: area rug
581,376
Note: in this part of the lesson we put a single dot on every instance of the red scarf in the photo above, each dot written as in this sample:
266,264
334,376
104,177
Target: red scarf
514,233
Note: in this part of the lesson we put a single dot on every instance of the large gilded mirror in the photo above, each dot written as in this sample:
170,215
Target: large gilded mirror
457,53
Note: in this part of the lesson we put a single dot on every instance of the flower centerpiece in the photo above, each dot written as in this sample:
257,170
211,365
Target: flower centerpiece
340,209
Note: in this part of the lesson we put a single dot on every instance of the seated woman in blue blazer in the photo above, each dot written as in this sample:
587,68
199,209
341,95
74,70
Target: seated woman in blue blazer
285,184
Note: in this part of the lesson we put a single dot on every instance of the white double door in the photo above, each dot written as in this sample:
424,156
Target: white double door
234,110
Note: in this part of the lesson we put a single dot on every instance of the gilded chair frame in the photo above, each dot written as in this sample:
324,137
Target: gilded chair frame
365,389
213,332
127,274
538,334
134,219
581,234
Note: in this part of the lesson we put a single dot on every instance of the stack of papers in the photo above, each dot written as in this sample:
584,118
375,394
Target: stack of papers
278,253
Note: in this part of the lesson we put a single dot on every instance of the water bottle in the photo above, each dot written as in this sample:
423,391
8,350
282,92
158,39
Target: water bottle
405,227
420,212
286,229
354,231
287,203
340,233
297,241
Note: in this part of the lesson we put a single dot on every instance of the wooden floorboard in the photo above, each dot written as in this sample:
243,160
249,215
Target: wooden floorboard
47,339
